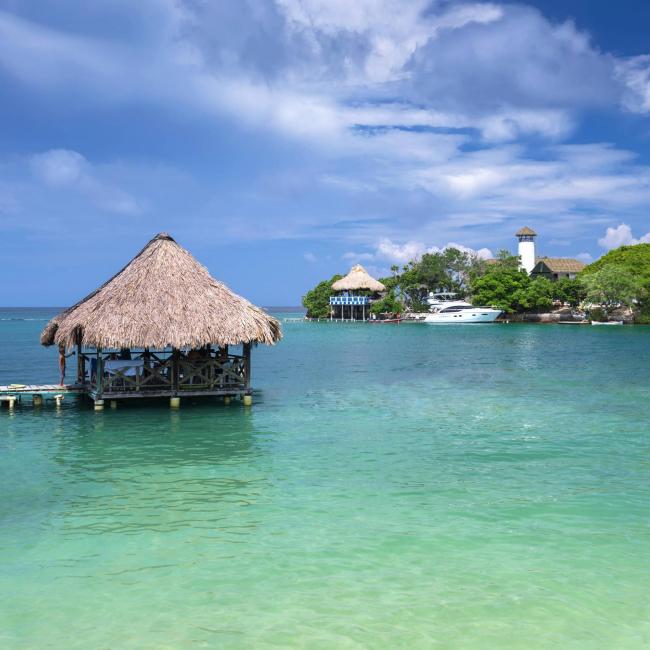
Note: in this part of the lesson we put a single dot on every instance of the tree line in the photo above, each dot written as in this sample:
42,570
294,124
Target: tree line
620,278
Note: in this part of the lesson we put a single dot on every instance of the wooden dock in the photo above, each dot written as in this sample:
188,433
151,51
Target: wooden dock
38,392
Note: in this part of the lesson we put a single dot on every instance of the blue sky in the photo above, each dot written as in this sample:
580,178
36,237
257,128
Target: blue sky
282,141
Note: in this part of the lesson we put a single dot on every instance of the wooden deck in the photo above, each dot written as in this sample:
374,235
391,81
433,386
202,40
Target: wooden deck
43,390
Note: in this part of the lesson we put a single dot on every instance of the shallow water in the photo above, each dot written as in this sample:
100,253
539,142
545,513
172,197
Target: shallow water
392,486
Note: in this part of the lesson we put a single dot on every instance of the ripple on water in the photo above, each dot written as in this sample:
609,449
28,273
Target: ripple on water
400,487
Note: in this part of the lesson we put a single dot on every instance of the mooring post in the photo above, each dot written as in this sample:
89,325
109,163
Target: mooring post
58,399
113,404
11,402
37,400
174,402
226,399
99,405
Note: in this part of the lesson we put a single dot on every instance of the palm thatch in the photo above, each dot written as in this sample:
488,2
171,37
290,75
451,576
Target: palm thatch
162,297
358,278
525,231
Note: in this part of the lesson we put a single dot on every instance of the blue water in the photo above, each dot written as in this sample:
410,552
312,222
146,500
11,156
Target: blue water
404,486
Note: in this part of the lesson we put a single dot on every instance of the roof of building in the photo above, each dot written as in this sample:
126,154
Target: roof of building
358,278
560,264
162,297
525,231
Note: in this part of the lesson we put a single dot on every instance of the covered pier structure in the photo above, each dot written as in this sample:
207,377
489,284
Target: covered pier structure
354,294
162,327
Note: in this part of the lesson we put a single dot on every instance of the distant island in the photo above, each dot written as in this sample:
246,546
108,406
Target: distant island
616,286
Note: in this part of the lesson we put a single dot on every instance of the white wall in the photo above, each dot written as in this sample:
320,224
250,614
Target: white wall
527,255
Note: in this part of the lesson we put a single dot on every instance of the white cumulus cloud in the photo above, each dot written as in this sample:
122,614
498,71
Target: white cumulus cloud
621,236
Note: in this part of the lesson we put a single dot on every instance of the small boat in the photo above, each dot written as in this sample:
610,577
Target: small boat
607,322
385,321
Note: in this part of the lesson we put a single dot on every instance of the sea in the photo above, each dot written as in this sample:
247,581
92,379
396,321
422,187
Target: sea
392,486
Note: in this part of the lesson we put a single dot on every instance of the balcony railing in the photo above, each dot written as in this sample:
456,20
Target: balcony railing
349,300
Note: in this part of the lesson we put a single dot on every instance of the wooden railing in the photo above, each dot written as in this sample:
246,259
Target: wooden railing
165,372
212,374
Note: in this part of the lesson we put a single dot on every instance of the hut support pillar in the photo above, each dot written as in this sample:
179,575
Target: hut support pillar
247,365
174,402
81,365
37,400
175,369
100,374
99,405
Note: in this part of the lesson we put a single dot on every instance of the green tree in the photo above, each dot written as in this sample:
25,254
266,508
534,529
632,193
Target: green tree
317,300
613,286
569,291
389,304
633,260
537,296
502,286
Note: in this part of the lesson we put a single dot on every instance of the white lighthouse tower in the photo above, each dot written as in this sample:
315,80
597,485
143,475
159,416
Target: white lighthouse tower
527,258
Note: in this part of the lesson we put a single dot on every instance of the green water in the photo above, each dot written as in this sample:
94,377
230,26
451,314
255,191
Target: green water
392,487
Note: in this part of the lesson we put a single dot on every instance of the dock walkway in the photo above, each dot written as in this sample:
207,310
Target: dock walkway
38,392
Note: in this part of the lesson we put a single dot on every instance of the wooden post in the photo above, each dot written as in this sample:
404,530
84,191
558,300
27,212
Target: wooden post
247,365
176,358
100,374
80,365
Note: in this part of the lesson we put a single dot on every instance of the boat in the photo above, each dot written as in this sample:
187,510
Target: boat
447,308
385,321
608,322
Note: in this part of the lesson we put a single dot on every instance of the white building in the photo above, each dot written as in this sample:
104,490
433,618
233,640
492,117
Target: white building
527,256
552,268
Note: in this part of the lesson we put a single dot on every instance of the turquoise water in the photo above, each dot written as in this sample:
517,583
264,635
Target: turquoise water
392,487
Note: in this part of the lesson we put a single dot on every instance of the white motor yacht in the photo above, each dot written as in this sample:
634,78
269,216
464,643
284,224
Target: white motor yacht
447,308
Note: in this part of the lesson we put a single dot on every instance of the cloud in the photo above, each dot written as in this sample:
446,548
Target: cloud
621,236
481,253
430,117
65,169
399,253
310,257
587,258
635,74
387,250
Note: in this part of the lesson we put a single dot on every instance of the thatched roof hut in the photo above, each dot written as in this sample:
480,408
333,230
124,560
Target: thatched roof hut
162,297
357,279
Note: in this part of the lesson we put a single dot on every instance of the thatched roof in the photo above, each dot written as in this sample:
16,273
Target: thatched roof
525,231
162,297
356,279
560,264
